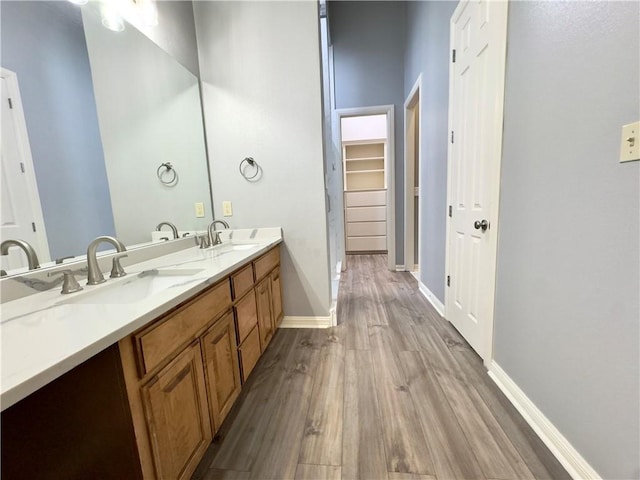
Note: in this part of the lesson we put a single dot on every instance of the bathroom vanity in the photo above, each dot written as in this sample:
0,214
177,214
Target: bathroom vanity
187,330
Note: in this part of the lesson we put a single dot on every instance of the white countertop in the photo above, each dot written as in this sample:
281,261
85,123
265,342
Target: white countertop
45,335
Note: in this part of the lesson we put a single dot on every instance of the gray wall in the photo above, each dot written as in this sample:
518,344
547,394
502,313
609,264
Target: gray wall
261,79
44,43
368,53
567,309
427,52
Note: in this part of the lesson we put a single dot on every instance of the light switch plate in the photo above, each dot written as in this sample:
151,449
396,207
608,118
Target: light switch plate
227,211
199,209
630,142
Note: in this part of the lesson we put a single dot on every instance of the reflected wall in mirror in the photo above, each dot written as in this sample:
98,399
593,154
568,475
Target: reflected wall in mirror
103,110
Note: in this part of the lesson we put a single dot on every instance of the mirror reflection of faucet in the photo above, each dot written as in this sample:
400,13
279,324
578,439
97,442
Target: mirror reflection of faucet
32,258
174,230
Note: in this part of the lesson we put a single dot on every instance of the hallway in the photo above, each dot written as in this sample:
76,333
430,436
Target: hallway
392,392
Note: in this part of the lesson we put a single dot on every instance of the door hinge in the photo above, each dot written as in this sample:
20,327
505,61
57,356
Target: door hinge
453,55
33,225
10,103
450,210
451,136
448,280
22,167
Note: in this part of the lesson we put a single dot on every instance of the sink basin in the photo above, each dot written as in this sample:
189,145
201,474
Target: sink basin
134,288
243,246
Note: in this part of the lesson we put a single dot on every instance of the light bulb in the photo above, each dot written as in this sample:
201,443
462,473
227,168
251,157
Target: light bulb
110,18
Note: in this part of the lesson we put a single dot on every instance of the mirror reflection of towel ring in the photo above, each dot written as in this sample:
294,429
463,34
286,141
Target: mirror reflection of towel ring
250,169
168,176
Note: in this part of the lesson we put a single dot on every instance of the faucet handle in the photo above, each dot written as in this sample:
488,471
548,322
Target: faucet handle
116,269
69,282
216,240
204,242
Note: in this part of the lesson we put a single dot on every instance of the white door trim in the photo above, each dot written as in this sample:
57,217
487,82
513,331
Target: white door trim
390,169
409,175
42,246
494,195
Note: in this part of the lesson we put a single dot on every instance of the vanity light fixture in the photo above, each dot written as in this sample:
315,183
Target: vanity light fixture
79,2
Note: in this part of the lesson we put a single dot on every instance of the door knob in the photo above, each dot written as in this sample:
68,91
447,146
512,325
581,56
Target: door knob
481,225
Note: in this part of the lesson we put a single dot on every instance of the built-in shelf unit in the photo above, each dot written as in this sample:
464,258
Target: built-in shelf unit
365,195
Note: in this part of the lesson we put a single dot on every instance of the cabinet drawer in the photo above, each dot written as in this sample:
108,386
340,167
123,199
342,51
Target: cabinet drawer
266,263
250,353
242,281
355,244
161,340
366,214
246,315
365,199
366,229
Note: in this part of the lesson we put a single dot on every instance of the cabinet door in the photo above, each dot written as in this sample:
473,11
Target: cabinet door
175,403
276,297
221,364
265,315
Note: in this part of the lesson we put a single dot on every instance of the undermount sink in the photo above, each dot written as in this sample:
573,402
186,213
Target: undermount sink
243,246
133,288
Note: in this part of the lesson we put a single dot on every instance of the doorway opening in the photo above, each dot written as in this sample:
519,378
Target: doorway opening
367,143
412,149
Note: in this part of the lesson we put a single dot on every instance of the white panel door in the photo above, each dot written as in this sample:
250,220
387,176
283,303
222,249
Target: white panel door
21,217
476,105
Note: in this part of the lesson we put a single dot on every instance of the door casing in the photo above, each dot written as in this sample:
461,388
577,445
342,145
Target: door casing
390,171
411,104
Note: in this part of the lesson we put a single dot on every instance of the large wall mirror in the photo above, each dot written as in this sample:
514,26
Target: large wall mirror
103,111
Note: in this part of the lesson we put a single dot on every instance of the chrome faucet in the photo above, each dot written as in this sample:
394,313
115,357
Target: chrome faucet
170,225
95,276
32,258
214,236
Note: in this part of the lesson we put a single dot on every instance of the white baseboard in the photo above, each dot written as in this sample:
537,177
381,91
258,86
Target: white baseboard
566,454
400,268
306,322
433,300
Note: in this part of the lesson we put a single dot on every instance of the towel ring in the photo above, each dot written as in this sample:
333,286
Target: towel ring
169,171
248,163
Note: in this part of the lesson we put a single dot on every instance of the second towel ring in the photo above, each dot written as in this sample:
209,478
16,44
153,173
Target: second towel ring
169,171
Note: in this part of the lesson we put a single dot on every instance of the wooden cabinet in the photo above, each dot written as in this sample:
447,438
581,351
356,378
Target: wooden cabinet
219,348
148,406
175,402
250,352
276,298
265,315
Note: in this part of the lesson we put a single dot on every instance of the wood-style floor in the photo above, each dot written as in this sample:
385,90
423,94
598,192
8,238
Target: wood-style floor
393,392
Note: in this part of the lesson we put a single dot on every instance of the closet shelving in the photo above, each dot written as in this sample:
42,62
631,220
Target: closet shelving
364,167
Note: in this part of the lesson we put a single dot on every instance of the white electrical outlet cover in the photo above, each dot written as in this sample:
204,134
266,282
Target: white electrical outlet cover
630,142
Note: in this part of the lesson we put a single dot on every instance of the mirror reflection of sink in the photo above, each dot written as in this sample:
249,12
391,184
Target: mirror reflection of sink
134,288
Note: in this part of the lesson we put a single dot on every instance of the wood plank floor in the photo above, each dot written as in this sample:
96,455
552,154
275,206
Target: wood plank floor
393,392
